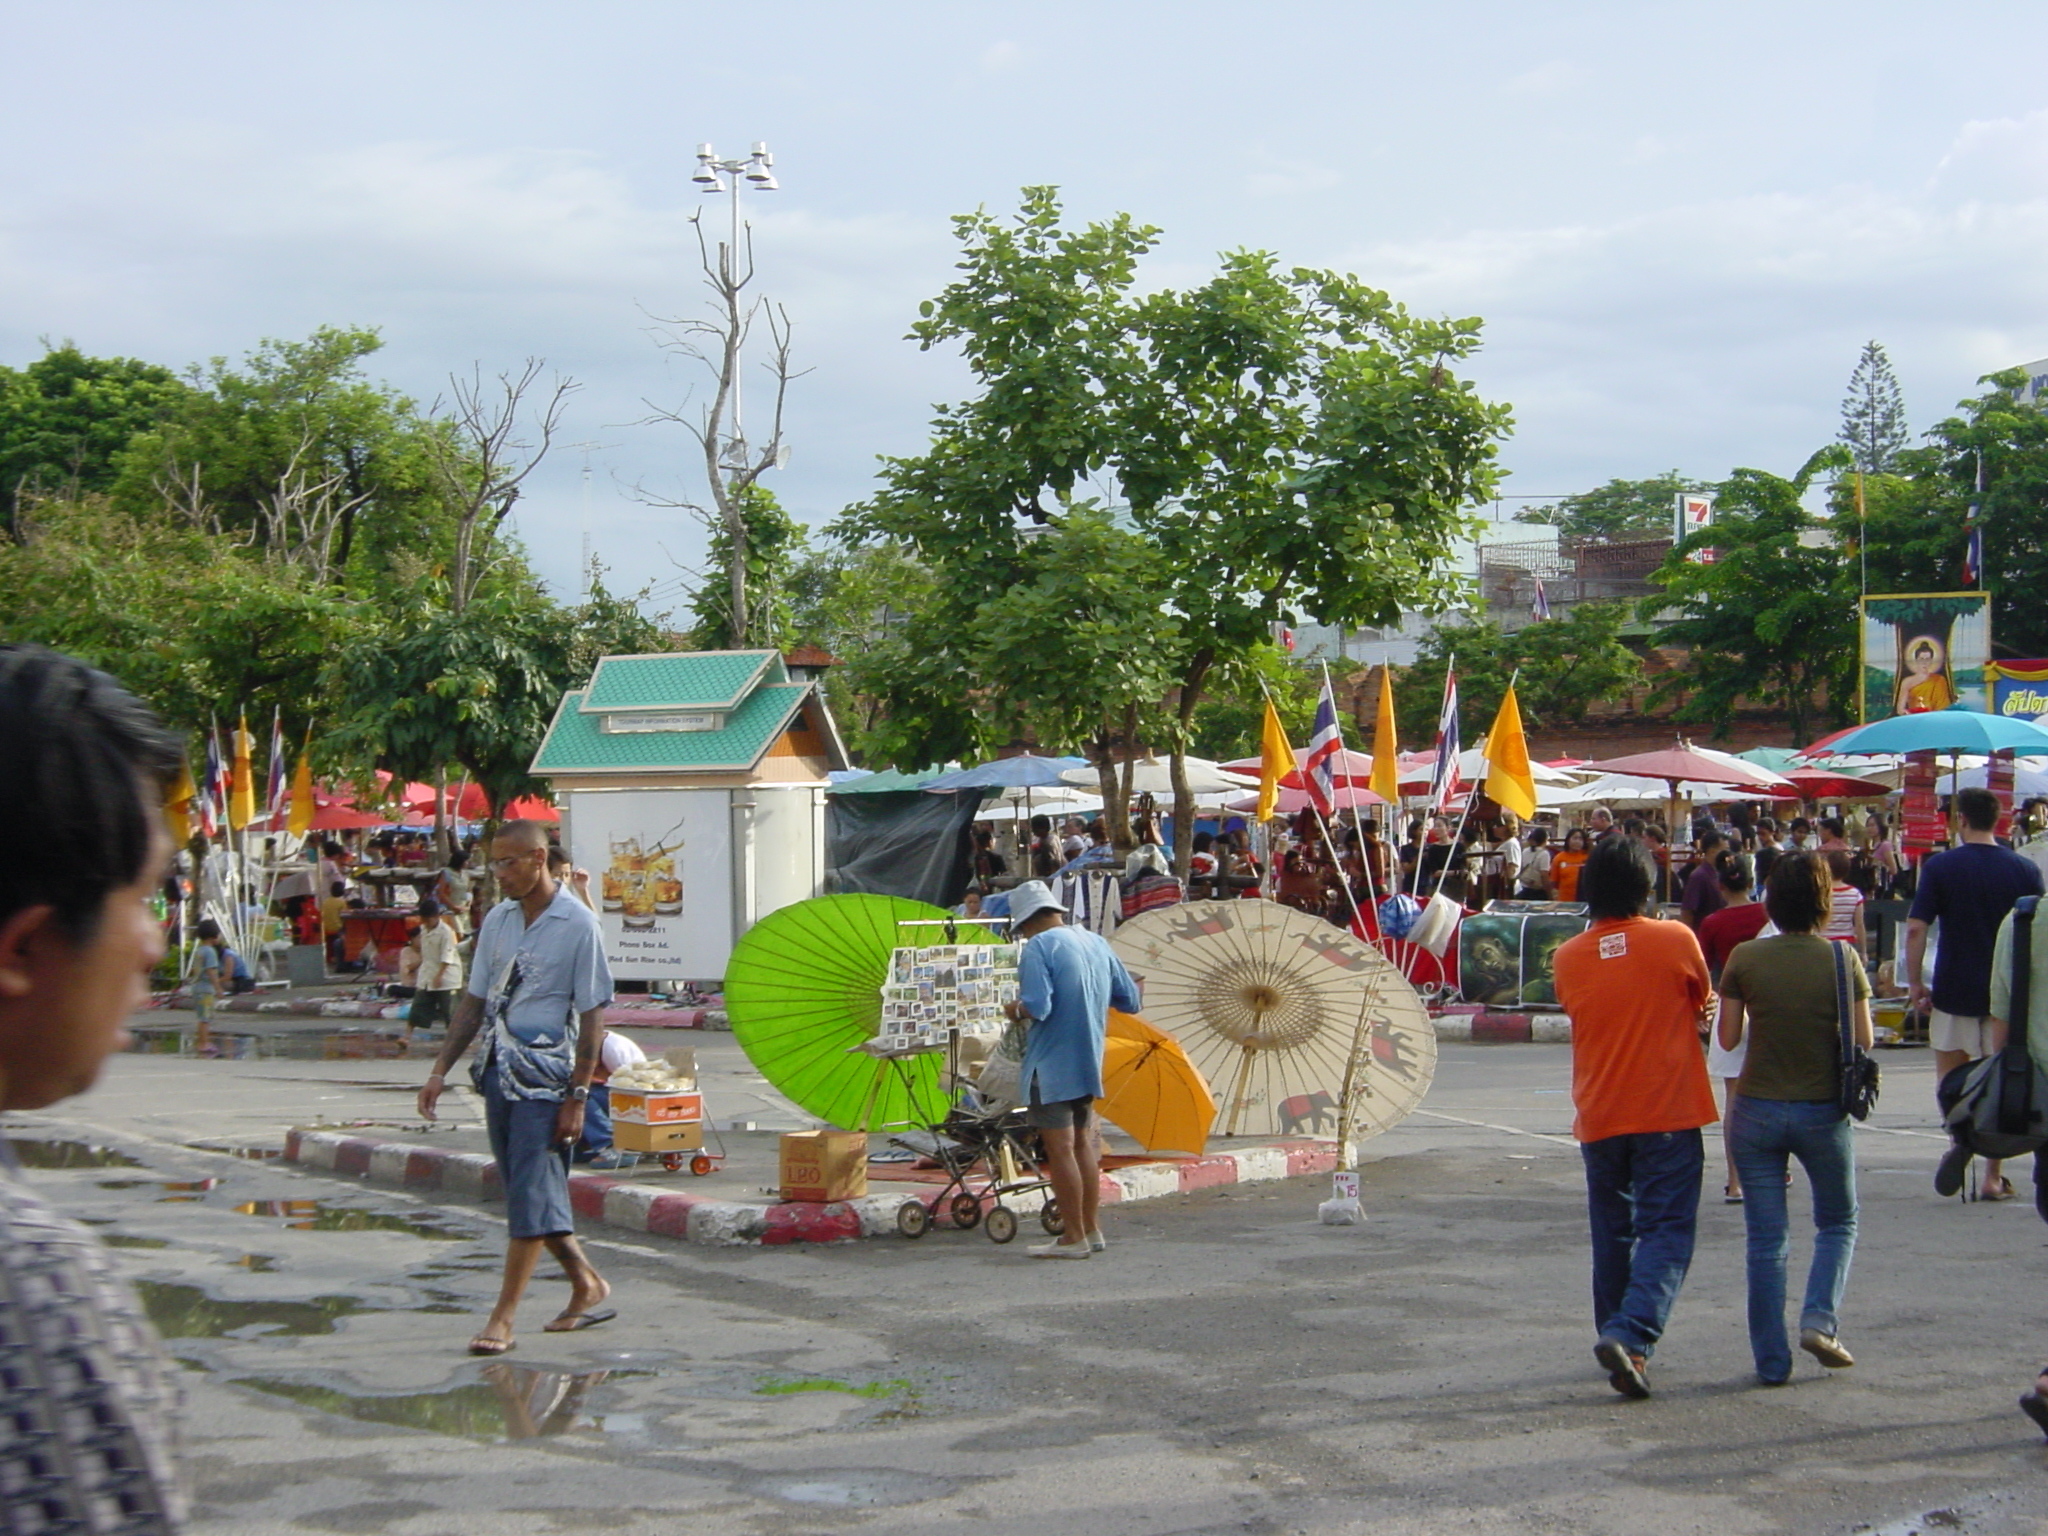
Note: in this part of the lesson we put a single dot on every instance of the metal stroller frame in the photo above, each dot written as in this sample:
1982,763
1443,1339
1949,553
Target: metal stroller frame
985,1153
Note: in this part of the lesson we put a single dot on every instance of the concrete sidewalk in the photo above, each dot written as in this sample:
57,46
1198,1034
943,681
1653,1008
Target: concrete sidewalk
629,1200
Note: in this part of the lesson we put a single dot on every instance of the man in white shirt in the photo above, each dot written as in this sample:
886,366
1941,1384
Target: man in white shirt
440,973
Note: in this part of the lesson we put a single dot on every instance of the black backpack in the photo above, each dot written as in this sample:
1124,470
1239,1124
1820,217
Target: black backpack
1998,1107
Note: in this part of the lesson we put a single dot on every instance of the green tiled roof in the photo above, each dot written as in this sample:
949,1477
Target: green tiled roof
576,742
701,680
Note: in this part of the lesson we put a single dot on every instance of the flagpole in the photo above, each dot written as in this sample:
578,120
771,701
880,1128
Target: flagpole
1471,799
1328,842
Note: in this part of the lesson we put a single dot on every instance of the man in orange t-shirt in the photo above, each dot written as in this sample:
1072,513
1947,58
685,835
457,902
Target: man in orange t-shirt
1634,989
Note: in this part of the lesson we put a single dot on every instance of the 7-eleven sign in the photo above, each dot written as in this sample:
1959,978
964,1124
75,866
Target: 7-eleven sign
1694,513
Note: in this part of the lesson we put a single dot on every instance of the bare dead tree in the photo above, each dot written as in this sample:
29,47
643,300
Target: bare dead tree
299,519
732,464
486,443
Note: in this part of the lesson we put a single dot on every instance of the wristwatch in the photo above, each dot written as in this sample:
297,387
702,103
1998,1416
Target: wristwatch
578,1095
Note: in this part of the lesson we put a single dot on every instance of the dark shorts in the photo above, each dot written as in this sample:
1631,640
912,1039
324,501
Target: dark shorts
1060,1114
430,1010
533,1166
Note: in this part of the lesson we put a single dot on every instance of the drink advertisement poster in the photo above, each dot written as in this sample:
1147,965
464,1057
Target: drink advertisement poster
660,877
1925,651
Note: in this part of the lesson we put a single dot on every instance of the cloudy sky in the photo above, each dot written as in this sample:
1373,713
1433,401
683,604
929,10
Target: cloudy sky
1680,223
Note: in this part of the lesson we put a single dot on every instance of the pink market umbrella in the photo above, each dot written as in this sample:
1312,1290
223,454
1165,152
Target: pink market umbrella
1347,796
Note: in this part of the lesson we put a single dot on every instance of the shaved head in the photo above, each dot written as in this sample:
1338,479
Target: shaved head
516,836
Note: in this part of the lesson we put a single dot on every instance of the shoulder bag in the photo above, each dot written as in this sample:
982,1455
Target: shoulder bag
1998,1107
1857,1093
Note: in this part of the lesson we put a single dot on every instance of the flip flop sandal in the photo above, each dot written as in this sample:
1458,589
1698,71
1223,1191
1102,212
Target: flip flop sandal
480,1345
2003,1192
576,1322
1730,1196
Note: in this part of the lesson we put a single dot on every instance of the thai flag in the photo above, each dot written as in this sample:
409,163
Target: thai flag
273,800
1973,555
210,788
1444,783
1542,601
1324,746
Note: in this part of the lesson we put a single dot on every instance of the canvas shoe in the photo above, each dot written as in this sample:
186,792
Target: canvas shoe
1097,1242
1059,1250
1825,1348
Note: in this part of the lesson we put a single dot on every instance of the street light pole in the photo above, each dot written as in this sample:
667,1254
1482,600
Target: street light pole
713,176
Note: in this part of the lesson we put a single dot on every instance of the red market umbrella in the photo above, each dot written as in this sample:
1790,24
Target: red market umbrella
1682,764
343,818
529,808
1819,784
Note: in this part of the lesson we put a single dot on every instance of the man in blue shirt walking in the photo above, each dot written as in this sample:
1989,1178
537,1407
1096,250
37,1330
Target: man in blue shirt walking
1067,981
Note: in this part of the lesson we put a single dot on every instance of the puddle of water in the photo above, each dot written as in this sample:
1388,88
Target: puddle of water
68,1154
251,1154
510,1402
187,1312
826,1384
319,1216
854,1487
348,1045
191,1186
118,1240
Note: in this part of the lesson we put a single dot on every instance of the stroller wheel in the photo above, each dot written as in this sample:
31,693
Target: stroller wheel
1051,1217
1002,1224
912,1219
966,1211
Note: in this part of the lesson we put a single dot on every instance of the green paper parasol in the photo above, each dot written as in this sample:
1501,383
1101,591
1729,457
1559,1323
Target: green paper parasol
803,990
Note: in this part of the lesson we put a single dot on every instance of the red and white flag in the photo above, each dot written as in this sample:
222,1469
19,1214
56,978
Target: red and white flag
1324,749
1444,783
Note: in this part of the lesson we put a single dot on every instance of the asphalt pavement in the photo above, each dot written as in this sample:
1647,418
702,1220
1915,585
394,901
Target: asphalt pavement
1228,1365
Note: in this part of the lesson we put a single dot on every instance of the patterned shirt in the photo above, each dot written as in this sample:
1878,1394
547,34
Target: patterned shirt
88,1440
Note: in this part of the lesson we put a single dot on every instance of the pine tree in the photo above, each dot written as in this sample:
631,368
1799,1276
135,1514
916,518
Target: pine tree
1874,414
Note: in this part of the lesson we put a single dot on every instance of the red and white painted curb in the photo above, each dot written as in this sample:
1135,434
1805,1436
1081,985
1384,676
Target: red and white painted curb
1470,1021
638,1207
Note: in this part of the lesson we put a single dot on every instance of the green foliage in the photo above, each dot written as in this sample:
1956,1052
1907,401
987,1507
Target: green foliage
1919,610
774,547
1874,413
1232,714
1567,666
66,417
476,687
1281,440
1771,622
1619,510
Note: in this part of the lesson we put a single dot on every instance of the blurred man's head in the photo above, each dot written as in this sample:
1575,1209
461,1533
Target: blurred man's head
83,763
519,858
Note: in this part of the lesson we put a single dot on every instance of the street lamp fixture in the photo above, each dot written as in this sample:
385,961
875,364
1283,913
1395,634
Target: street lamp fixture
716,175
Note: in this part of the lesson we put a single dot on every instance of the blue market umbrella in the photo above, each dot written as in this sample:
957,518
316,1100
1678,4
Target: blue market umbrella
1942,730
1024,772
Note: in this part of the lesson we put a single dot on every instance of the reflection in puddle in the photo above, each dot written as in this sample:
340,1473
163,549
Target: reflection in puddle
118,1240
347,1045
511,1402
187,1312
855,1486
68,1154
319,1216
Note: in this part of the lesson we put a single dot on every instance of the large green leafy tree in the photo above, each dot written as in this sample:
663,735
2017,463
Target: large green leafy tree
65,419
1619,510
1280,442
475,687
1567,666
1916,522
1770,621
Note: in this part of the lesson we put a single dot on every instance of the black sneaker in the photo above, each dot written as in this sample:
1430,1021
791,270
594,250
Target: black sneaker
1948,1174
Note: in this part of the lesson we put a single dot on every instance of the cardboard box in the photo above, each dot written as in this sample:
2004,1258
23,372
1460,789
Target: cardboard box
630,1106
685,1136
824,1165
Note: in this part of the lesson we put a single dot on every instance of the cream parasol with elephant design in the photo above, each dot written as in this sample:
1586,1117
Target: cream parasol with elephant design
1299,1026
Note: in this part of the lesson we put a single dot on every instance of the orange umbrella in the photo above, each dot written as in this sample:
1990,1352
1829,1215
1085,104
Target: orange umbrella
1151,1090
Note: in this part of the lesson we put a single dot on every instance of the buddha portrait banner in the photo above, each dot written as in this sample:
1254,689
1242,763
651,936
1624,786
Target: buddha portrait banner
1925,651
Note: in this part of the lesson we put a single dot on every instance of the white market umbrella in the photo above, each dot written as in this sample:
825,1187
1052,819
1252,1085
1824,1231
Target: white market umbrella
1154,776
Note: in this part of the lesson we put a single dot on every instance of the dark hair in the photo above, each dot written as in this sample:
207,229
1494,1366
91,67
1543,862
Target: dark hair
1978,808
1732,870
1798,892
208,930
1635,826
83,763
331,848
1707,838
337,888
1832,825
458,859
1618,878
429,907
1538,837
1839,864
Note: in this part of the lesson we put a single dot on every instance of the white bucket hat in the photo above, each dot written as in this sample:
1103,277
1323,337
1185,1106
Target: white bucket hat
1030,899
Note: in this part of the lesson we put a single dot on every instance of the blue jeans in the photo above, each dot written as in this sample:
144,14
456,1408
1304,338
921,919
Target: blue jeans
1762,1133
1643,1195
597,1124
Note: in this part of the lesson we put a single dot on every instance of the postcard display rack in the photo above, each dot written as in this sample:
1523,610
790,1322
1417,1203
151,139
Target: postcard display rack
935,995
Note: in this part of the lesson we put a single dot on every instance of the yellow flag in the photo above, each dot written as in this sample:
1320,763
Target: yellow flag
302,790
1276,761
242,799
178,800
1386,776
1509,782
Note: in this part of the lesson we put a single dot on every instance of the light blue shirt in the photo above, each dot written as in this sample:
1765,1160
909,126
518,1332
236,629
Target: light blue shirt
534,979
1068,979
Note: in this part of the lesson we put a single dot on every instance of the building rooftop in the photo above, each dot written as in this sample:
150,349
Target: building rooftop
713,680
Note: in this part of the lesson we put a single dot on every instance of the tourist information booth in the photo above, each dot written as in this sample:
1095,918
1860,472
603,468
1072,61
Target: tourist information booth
692,787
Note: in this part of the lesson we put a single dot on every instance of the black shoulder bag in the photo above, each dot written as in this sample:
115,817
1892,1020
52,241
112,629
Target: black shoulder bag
1998,1106
1857,1093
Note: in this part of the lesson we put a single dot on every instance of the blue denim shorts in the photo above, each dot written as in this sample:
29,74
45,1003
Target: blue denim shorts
532,1165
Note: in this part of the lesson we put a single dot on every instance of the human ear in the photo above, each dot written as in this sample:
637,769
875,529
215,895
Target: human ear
22,937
